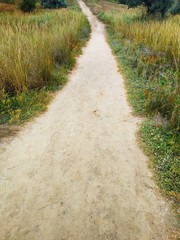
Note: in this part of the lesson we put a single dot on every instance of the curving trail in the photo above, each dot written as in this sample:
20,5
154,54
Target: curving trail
76,172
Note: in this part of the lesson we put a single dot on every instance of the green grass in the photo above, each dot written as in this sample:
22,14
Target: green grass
162,146
21,107
152,85
149,62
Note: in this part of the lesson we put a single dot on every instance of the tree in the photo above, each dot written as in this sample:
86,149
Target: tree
122,1
53,3
27,5
176,8
153,6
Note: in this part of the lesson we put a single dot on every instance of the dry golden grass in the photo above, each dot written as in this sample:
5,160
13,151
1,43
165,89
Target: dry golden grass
7,7
32,44
37,51
159,35
163,36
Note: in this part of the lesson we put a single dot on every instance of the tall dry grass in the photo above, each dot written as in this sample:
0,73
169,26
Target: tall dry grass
162,36
31,45
7,7
152,48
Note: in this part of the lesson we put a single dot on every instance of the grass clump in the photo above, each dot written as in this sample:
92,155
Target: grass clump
36,52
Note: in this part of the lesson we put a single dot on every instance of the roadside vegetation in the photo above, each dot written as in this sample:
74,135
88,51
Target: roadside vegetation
37,51
147,48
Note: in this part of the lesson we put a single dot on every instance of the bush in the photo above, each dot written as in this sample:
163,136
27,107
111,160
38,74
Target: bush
28,5
122,1
53,3
38,6
176,8
153,6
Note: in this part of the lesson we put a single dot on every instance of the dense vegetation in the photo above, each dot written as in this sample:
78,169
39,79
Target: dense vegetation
148,51
28,5
36,52
152,6
53,3
176,7
155,56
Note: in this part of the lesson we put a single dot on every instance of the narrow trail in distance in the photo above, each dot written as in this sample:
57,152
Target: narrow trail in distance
76,172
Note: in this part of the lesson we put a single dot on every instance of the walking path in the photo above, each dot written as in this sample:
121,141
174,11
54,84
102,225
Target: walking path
76,172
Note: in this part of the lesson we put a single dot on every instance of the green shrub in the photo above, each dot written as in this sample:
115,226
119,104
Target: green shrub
28,5
122,1
176,8
53,3
153,6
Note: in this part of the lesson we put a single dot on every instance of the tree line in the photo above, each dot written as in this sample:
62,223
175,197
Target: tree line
155,6
30,5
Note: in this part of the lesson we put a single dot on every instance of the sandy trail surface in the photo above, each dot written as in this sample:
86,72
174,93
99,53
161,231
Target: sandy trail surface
76,172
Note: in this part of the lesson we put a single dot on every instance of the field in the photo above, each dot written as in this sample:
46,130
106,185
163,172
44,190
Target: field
37,51
148,50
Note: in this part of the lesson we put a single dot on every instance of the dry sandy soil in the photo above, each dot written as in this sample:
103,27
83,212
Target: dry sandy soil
76,172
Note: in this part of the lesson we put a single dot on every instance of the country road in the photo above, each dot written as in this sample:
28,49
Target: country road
77,172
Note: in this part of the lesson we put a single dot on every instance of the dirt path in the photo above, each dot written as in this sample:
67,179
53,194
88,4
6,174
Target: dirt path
76,173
